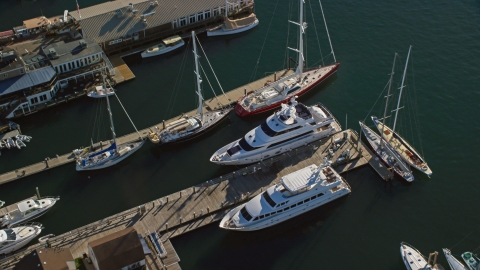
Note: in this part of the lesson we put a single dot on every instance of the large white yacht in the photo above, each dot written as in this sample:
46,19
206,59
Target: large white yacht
28,210
293,126
16,238
296,194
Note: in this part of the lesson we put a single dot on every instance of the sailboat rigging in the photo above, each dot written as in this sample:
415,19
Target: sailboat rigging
190,127
398,143
93,159
281,91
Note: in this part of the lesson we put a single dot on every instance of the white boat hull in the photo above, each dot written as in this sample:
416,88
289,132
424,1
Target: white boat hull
110,162
223,32
412,258
452,261
146,54
22,242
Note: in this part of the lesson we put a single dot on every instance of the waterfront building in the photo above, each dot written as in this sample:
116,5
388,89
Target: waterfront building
119,250
47,259
122,25
66,57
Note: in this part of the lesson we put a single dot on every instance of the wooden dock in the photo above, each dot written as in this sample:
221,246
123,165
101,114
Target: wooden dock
208,201
122,71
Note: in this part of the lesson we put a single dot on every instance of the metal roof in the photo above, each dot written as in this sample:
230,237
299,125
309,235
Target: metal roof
72,50
101,23
28,80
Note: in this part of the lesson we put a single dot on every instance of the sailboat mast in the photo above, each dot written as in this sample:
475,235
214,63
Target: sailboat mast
401,89
197,73
386,104
328,34
109,112
226,9
300,43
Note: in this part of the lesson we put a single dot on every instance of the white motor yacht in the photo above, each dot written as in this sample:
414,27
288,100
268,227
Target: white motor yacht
297,193
167,45
101,92
28,210
472,260
293,126
452,261
15,238
414,260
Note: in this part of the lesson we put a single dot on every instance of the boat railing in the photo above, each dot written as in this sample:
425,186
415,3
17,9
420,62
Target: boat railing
410,246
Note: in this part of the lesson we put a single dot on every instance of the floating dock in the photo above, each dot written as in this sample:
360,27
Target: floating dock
209,201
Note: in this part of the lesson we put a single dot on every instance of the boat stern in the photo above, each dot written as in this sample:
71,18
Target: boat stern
240,111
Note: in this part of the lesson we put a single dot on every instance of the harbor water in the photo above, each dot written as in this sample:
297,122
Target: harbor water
360,231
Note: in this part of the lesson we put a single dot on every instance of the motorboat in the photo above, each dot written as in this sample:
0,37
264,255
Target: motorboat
13,239
101,92
167,45
11,142
295,194
386,153
472,260
6,144
28,210
94,159
399,144
273,94
20,144
293,126
234,26
414,260
452,261
189,127
2,203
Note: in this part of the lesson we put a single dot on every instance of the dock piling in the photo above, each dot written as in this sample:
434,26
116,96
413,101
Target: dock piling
38,193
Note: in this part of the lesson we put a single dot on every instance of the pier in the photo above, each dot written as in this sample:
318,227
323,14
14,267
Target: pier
210,200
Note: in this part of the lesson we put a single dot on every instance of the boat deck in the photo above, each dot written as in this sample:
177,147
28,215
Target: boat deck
208,201
13,207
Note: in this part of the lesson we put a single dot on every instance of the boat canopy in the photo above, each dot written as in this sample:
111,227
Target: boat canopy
27,205
112,147
239,23
300,179
172,40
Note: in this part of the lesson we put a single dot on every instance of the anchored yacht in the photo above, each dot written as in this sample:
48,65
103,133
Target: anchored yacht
16,238
454,263
472,260
28,210
293,126
414,260
297,193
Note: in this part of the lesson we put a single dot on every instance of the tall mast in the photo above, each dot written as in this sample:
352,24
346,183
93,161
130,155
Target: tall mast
386,104
328,34
401,89
226,9
199,90
109,111
299,70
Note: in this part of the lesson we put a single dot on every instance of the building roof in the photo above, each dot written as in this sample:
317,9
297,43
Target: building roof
72,50
118,249
36,22
46,259
101,23
27,80
9,61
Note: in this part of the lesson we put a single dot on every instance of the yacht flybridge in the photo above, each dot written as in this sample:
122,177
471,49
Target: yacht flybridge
190,127
15,238
293,126
28,210
297,193
296,84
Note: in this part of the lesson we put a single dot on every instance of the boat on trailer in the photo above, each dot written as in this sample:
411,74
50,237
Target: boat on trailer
167,45
273,94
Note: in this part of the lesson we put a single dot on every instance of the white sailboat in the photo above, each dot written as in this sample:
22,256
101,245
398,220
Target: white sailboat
399,144
102,158
167,45
452,261
295,194
274,94
190,127
414,260
230,27
15,238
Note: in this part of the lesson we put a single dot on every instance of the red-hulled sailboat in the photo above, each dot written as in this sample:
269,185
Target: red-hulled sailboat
281,91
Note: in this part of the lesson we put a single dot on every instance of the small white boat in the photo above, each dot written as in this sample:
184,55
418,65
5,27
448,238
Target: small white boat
15,238
28,210
2,203
452,261
2,145
11,142
472,260
101,92
17,144
26,138
6,144
295,194
230,27
414,260
167,45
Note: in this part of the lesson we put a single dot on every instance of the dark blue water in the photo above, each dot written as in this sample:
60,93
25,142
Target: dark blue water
362,231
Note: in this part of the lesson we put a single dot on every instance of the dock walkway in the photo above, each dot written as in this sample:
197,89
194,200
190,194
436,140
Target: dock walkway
207,201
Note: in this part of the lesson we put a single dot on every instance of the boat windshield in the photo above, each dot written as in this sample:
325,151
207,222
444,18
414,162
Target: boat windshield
269,200
270,132
245,146
11,235
245,214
